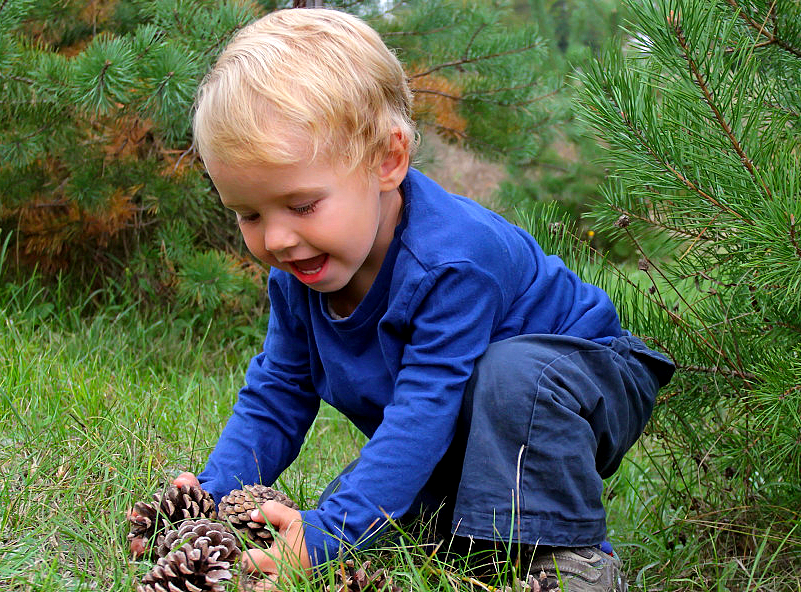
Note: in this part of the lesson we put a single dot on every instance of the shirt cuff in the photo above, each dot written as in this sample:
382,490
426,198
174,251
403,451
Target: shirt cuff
322,545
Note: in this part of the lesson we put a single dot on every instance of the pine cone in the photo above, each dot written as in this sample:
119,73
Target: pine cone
202,532
195,567
349,579
149,521
235,508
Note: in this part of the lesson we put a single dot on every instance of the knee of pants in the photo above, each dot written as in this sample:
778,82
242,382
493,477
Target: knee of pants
530,385
513,367
504,384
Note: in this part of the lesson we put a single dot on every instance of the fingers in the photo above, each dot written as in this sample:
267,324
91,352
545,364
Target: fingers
138,546
186,479
266,584
257,560
288,552
277,514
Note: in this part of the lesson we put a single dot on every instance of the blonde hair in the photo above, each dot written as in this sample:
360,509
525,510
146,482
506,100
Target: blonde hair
319,76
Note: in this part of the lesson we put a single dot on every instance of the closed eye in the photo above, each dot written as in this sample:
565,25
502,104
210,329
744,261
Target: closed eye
247,217
306,209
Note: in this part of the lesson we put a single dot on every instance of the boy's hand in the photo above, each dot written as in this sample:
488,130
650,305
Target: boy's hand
287,557
186,479
138,545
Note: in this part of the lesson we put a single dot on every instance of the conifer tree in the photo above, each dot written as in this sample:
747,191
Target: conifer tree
97,168
701,116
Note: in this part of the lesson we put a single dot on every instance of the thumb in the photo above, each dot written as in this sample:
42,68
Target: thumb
276,513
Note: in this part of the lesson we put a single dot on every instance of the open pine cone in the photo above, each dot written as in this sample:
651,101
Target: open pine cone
195,567
349,579
150,520
235,508
201,533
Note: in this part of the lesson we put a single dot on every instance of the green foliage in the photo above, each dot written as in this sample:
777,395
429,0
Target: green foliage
96,154
475,72
700,116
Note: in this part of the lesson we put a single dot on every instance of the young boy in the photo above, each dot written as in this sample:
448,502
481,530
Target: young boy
490,380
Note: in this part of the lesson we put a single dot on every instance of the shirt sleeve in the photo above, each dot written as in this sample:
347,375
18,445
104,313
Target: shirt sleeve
453,312
273,411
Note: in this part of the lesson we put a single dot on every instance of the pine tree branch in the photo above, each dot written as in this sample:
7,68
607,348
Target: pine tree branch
478,30
479,97
786,393
645,265
417,33
772,38
710,101
222,39
792,236
473,60
663,161
493,91
21,79
659,224
718,370
439,93
536,99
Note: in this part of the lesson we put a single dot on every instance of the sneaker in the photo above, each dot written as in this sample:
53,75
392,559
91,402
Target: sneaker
584,569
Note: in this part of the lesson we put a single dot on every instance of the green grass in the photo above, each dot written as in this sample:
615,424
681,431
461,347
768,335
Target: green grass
100,408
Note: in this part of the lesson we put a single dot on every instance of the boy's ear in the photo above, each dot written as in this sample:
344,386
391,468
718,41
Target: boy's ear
393,167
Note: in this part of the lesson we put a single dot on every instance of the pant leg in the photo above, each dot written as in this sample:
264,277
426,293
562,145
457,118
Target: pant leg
546,418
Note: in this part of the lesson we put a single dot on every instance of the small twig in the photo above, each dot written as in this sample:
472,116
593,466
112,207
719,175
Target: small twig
189,150
717,348
755,46
710,100
772,38
660,224
416,33
493,91
700,234
718,370
681,178
792,236
478,30
222,39
536,99
22,78
427,91
472,60
479,97
790,390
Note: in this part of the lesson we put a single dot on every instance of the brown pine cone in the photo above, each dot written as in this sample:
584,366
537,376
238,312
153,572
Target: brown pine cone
349,579
235,508
195,567
150,520
202,532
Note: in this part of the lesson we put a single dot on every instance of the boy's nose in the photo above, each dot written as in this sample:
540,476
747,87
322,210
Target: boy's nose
278,238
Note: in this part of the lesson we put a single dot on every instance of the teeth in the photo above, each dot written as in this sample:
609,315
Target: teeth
311,271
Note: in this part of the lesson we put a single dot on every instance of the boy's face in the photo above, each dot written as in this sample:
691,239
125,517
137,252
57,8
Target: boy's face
328,227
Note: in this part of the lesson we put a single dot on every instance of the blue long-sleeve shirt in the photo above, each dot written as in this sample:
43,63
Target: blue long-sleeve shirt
456,277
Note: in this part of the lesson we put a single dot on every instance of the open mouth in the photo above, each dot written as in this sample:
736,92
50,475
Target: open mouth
309,270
